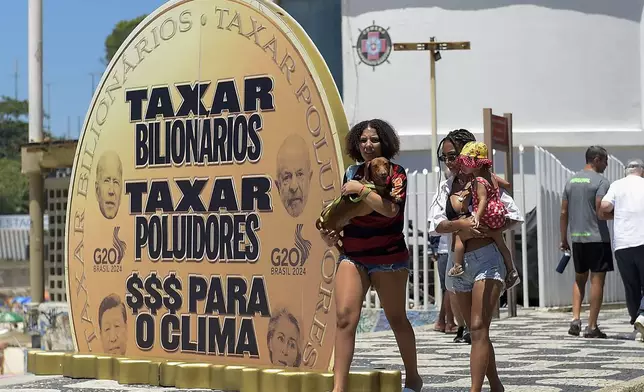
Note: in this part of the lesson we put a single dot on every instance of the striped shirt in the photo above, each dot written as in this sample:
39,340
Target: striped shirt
375,238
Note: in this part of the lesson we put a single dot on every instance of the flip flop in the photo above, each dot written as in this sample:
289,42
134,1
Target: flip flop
438,329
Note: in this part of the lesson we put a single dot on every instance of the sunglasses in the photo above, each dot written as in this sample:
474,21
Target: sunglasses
448,158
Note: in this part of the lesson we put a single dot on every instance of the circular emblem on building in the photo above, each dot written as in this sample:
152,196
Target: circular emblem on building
374,45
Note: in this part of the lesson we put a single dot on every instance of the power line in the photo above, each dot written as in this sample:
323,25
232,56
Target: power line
93,74
48,106
15,79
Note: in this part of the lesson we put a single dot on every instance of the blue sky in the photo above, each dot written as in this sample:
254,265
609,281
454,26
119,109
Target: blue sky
74,33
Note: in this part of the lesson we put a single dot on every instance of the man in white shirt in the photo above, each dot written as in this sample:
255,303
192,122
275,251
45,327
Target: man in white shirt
624,203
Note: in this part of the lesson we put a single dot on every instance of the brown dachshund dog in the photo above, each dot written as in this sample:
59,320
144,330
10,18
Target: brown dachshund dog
340,211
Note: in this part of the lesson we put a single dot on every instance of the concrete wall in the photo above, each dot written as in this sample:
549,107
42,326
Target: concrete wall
569,71
14,276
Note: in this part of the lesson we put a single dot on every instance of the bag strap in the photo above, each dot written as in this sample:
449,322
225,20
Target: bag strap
351,171
357,199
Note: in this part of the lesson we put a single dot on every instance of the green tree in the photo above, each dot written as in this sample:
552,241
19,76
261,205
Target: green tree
14,132
14,188
14,129
118,35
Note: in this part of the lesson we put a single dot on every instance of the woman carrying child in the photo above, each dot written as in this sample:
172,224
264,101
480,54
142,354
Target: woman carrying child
487,208
477,291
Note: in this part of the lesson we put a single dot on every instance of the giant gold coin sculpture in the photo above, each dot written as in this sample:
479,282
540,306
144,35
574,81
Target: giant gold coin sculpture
211,144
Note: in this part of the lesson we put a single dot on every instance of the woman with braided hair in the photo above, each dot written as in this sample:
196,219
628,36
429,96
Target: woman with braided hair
478,289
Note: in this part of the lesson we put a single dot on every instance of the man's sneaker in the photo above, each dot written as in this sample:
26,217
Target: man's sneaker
463,336
575,328
459,335
467,337
639,324
594,334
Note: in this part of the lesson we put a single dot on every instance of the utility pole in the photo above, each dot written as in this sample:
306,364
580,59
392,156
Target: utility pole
434,48
36,181
69,127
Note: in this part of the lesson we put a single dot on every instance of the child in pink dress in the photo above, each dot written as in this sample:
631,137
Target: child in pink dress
487,208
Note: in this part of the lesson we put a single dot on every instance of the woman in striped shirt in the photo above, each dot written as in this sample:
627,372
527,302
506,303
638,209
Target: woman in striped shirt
375,254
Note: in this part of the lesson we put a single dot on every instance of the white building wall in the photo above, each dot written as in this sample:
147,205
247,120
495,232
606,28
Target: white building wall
569,71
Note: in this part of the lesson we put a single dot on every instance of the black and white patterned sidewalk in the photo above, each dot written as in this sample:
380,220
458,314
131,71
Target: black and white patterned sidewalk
534,353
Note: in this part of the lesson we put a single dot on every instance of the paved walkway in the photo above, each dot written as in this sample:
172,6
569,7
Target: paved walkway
533,351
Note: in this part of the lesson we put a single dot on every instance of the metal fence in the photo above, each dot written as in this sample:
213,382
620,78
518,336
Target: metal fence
421,188
14,237
556,289
14,244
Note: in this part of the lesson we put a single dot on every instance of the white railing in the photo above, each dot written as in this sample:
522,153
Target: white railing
556,289
421,188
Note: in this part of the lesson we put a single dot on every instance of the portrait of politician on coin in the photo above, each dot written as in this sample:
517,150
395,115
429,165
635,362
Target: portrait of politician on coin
284,342
293,174
112,322
109,183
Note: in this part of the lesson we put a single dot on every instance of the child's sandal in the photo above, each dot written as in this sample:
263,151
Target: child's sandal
512,279
456,270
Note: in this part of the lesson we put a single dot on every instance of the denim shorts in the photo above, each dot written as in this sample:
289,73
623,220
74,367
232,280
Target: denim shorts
371,268
485,263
